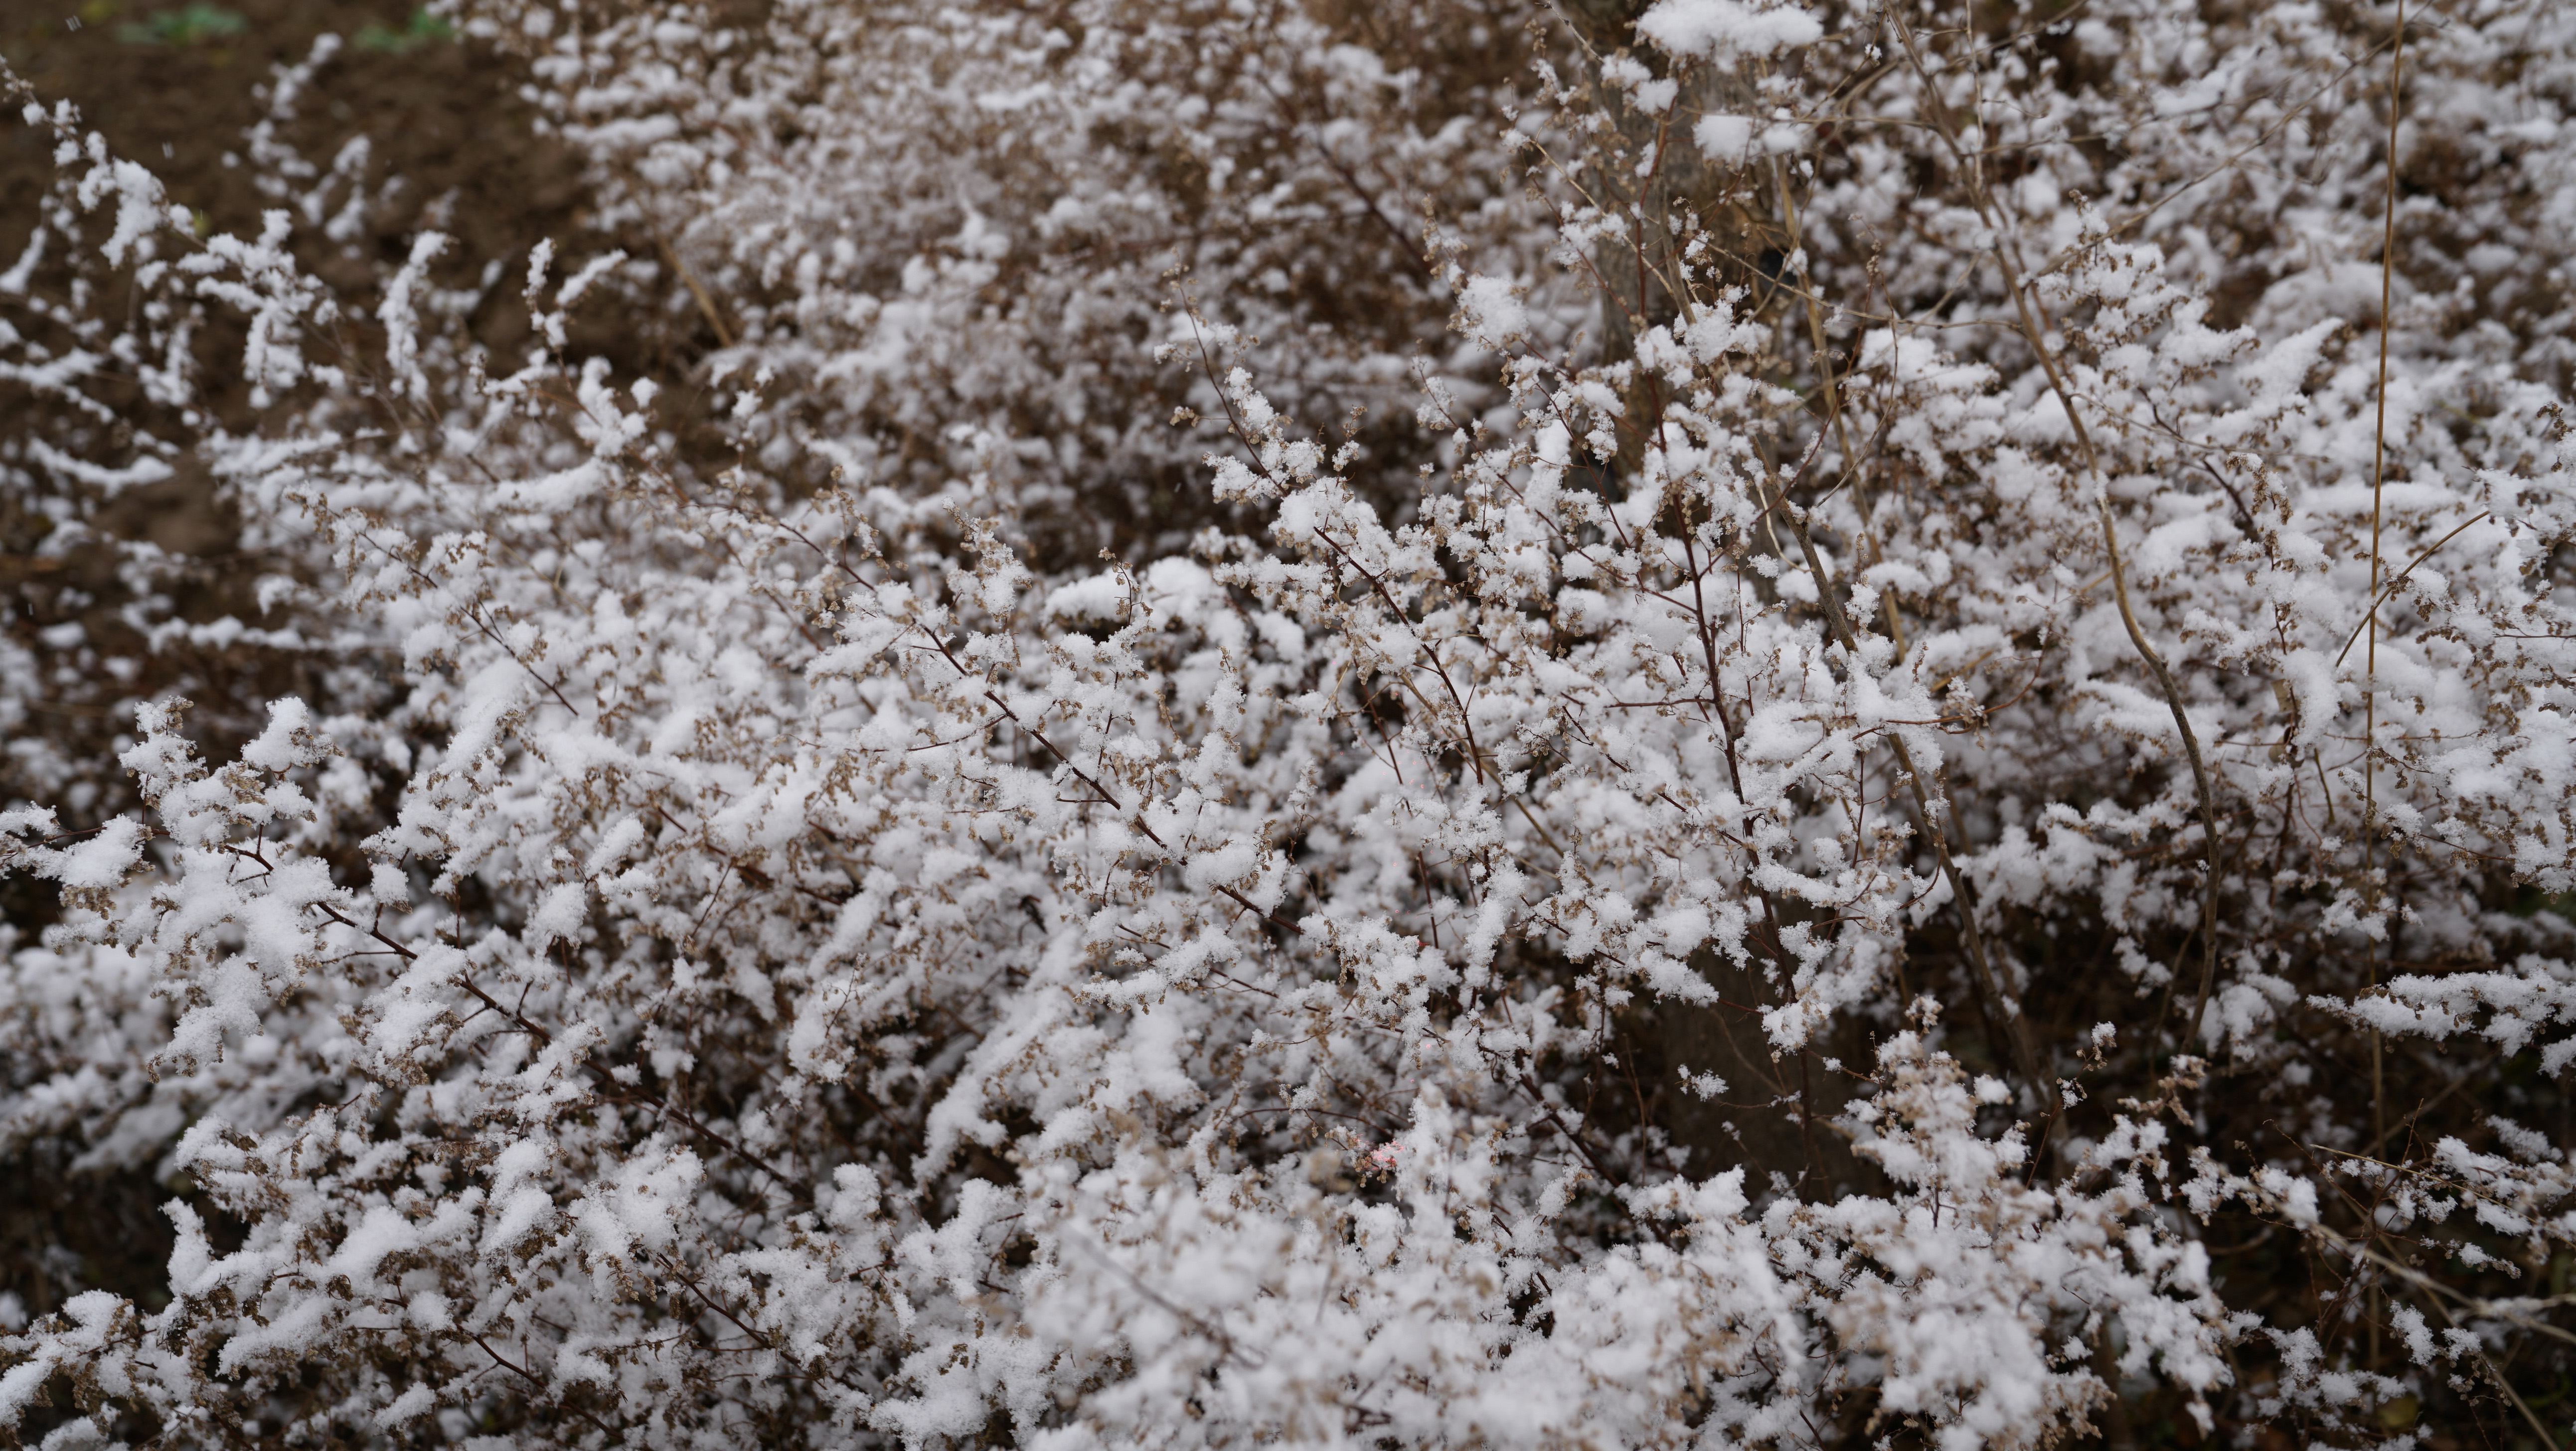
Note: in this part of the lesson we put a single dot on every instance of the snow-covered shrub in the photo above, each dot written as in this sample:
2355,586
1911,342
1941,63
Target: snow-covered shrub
1916,797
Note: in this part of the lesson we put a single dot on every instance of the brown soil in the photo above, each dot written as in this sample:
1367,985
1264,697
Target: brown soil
439,111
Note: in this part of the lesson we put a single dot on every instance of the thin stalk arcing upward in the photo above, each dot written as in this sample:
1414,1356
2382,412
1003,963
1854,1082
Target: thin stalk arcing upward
2378,479
1931,801
1971,940
1935,822
2032,326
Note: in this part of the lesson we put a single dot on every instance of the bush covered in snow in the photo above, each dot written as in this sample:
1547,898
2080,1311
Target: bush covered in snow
1698,723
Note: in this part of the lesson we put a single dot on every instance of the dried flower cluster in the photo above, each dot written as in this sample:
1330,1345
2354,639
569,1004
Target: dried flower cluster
1700,723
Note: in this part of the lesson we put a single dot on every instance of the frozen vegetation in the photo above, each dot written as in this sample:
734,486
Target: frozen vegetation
1217,722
